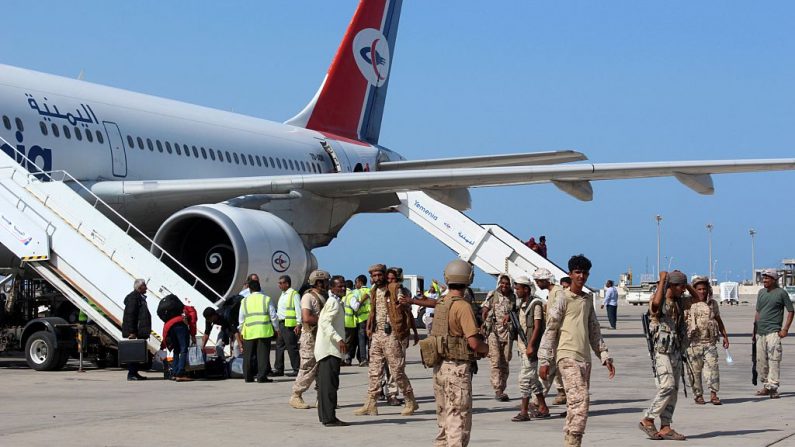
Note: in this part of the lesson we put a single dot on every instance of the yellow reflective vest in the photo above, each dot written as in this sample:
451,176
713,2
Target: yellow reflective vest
350,318
290,311
256,317
364,307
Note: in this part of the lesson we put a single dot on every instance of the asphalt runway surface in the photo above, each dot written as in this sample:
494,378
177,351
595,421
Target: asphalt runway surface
99,407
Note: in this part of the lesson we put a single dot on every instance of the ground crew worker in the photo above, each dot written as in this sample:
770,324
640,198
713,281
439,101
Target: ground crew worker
289,327
544,280
495,312
361,310
668,332
531,320
311,304
571,331
387,328
703,327
257,314
452,375
351,335
770,304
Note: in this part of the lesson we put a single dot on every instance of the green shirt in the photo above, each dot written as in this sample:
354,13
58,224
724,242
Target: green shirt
770,306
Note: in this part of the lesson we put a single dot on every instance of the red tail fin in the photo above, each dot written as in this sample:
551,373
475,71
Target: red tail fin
350,102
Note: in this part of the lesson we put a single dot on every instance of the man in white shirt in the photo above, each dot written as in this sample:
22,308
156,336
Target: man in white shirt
246,291
329,348
289,324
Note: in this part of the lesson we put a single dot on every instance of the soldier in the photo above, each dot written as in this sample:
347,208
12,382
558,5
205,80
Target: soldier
667,327
571,330
531,320
455,326
394,275
770,304
311,304
495,312
543,279
703,326
387,328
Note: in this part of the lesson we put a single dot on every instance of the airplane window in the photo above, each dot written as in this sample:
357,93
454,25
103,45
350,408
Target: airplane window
66,132
186,149
176,148
149,144
89,136
159,146
195,151
237,160
100,140
251,159
259,161
140,143
243,159
228,157
303,167
7,122
272,163
204,154
43,127
130,142
168,147
20,127
78,134
55,132
291,164
279,163
212,153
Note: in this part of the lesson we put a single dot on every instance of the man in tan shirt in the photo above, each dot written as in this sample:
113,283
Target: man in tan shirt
495,313
543,279
572,332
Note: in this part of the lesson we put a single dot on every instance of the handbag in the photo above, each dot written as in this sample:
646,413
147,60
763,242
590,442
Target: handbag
195,358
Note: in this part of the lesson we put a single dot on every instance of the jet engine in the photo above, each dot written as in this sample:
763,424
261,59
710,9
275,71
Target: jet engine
222,245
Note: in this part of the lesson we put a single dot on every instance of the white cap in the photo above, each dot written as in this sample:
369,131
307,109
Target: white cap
523,280
543,273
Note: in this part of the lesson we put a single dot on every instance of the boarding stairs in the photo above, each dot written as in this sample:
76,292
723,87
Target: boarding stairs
61,230
489,247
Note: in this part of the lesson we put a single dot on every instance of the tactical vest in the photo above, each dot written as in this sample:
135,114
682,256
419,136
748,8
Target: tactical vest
311,329
395,313
701,323
350,319
667,327
256,318
363,314
449,347
530,322
290,312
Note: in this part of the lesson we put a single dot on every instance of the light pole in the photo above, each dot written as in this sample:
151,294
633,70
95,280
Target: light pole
709,230
752,232
659,219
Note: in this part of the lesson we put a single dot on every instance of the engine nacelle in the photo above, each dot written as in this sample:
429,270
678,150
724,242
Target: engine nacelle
222,244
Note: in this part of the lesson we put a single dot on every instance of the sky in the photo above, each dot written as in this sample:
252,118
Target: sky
619,81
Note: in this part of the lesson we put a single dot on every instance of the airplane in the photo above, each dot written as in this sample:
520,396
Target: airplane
228,194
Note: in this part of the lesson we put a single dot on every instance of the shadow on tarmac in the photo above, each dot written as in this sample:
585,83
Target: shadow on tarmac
715,434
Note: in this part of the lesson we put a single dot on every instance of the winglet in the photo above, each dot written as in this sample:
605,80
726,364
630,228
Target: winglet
350,101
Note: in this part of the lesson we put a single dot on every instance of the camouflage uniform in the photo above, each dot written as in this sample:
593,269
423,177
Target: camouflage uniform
499,340
386,349
554,375
702,353
529,383
452,388
571,314
668,335
768,363
308,369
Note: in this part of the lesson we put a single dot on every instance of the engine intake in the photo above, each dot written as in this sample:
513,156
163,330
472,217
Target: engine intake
222,244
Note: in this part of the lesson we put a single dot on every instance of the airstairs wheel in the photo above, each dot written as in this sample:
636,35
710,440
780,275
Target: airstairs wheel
42,353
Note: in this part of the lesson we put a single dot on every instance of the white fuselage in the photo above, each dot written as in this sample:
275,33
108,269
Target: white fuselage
141,137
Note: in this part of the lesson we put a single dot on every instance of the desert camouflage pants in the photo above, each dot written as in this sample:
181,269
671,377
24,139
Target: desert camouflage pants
576,377
499,357
452,388
554,376
388,379
704,360
669,371
529,383
308,369
386,349
768,359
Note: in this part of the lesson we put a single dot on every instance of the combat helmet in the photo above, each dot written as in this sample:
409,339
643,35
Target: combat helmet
459,272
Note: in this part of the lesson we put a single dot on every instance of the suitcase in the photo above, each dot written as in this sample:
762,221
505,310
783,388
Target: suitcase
132,351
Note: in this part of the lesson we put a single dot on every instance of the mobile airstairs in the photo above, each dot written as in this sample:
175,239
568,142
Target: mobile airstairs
489,247
60,229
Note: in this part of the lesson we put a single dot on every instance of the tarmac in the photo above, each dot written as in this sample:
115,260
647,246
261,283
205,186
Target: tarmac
99,407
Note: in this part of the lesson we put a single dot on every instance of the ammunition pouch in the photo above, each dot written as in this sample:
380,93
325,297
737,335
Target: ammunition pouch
437,348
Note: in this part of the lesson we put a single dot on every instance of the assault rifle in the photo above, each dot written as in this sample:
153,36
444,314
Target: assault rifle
517,328
644,319
754,375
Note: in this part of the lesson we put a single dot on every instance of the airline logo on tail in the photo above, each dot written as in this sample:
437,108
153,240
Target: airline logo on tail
371,52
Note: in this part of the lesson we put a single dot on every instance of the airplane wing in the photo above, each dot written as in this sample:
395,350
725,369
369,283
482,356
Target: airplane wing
573,179
483,161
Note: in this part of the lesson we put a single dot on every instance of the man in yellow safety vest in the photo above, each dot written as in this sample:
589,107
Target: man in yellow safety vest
361,309
351,333
288,311
256,317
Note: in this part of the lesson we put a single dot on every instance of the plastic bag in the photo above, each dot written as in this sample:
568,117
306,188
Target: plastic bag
195,358
236,368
